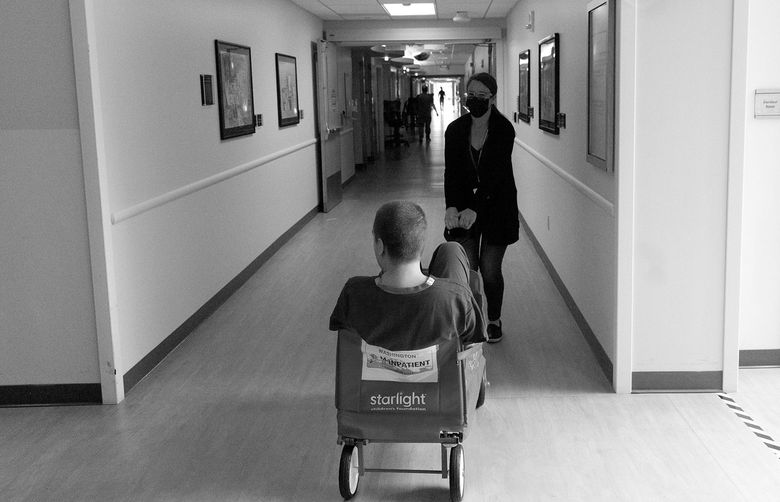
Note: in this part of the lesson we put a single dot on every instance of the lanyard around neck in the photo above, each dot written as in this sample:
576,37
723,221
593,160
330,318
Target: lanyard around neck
476,161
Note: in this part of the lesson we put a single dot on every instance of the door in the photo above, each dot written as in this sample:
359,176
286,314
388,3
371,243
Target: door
327,125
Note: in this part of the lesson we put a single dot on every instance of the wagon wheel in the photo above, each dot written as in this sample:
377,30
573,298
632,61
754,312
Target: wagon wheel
457,473
349,473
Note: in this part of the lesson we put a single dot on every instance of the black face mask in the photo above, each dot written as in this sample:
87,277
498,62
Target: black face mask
477,107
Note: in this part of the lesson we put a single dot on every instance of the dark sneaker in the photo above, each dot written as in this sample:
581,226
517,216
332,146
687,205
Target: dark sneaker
494,333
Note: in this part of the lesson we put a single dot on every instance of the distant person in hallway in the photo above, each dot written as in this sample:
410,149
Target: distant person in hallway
410,113
402,308
480,191
441,98
424,107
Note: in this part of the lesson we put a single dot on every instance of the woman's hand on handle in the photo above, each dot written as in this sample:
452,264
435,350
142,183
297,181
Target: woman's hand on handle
467,218
451,218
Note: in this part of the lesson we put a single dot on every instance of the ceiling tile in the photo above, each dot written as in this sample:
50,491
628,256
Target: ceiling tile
331,10
333,3
476,9
318,9
501,8
365,17
357,8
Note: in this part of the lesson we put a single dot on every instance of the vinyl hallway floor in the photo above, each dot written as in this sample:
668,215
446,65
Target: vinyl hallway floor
243,409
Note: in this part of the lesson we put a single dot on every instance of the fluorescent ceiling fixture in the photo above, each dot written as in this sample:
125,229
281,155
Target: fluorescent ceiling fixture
410,9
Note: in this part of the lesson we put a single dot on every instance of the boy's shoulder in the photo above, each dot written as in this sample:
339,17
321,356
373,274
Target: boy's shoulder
449,288
359,285
359,282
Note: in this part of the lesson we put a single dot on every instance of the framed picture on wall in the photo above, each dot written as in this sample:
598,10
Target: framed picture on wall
287,90
524,97
600,84
549,83
234,88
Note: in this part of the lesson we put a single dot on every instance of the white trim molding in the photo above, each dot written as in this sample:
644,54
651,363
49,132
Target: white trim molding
625,167
600,201
149,204
731,307
93,155
391,31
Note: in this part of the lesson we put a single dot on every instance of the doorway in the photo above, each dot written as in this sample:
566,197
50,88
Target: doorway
324,74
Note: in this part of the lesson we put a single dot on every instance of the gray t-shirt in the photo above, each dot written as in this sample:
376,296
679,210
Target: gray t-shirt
408,318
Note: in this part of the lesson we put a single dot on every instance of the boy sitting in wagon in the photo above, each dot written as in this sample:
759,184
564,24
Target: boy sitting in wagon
403,308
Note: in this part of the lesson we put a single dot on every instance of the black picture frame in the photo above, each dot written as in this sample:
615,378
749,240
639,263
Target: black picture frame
601,84
524,110
287,90
549,83
234,89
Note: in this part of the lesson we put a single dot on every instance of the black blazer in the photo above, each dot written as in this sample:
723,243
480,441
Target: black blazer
495,200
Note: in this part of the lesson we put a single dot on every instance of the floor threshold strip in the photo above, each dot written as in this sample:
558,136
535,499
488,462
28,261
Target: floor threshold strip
756,429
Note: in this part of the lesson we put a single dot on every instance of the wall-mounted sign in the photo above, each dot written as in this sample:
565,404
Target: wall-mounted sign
206,90
767,103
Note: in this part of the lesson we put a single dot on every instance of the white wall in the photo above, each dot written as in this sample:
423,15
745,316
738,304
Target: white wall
682,91
554,180
760,279
159,139
47,317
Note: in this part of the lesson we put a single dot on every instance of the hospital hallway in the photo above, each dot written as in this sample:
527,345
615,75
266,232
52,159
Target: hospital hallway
244,409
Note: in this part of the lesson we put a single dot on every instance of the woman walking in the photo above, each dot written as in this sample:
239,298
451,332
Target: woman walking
480,191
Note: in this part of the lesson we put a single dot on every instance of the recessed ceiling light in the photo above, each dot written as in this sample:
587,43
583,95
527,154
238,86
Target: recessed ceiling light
410,9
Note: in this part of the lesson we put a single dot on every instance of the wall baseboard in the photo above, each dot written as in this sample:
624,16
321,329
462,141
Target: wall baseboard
757,358
349,180
153,358
50,395
595,346
676,381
